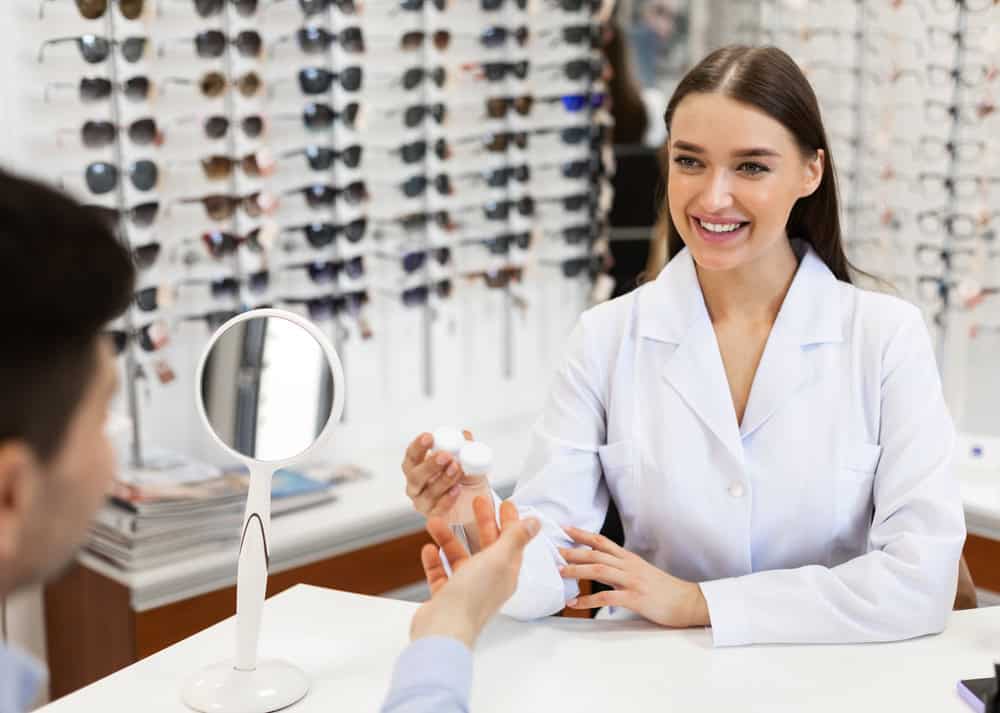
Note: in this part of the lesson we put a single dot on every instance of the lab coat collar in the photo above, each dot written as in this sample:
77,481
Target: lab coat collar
810,313
673,310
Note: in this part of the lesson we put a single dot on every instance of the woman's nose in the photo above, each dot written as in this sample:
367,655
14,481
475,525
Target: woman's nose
715,195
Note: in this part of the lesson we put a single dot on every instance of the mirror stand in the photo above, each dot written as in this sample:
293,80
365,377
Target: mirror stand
247,685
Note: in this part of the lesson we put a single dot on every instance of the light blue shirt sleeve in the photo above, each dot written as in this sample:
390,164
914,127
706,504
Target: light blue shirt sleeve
21,680
433,675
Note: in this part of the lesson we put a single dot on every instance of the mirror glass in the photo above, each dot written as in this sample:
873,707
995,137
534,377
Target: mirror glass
267,388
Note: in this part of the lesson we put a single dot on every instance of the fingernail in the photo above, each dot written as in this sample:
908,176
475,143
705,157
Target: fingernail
442,458
426,440
455,490
452,470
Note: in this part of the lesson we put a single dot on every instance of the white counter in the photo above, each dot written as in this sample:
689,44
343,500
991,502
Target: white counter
348,643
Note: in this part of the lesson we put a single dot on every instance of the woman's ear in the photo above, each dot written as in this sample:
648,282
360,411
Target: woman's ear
813,175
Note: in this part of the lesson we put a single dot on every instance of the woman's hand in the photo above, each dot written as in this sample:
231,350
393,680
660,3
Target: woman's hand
434,480
638,585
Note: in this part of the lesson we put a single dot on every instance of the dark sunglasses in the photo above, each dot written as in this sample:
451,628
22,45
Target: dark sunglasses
141,132
501,244
102,177
222,207
497,71
216,127
317,116
576,69
413,261
209,8
500,210
316,40
491,5
93,9
575,266
497,107
571,203
323,308
211,44
150,337
316,80
94,89
220,244
415,115
576,234
578,34
319,195
148,299
321,158
416,222
576,5
322,272
315,7
145,256
498,279
499,142
497,36
414,39
142,215
417,185
416,296
414,77
415,151
320,235
96,49
414,5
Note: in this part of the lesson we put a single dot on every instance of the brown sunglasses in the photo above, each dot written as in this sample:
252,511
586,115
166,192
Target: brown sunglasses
254,164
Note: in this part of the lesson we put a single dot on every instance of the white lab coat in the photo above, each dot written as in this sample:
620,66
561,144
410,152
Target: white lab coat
830,515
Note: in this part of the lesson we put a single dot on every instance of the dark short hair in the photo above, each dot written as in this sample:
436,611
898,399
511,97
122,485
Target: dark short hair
63,276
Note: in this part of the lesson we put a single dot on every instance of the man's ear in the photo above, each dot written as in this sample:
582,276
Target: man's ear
813,173
19,484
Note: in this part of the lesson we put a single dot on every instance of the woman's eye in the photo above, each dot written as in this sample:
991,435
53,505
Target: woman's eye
686,162
752,168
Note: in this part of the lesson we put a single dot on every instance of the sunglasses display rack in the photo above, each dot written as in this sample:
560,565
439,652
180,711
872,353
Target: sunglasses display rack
405,169
908,92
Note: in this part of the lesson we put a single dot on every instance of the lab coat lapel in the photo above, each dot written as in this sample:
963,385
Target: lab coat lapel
809,315
673,310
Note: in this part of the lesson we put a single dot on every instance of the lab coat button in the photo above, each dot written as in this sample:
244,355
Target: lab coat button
737,490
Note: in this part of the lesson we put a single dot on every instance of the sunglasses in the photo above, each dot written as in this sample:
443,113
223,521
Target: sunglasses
214,84
414,5
324,308
498,279
575,69
414,39
413,261
415,76
571,203
576,266
216,127
573,135
415,151
324,272
141,215
576,102
93,9
417,222
318,116
316,80
501,244
417,185
152,298
575,234
497,36
102,177
574,169
417,296
321,158
497,107
210,8
576,5
574,35
219,167
497,71
500,141
315,7
95,49
316,40
222,207
94,89
415,115
150,337
319,195
211,44
97,134
500,210
219,244
321,235
145,256
491,5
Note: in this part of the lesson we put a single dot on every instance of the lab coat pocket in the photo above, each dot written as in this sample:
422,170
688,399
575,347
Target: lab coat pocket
854,500
618,465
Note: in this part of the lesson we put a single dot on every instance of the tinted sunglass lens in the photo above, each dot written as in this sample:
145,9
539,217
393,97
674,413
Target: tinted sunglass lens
91,9
98,133
146,299
101,177
320,235
131,9
412,77
317,116
411,40
350,79
144,214
144,175
411,153
442,38
249,43
210,43
119,340
314,80
414,115
94,89
494,36
145,255
320,158
249,84
495,71
415,186
212,84
351,156
356,192
142,132
413,261
136,88
415,296
313,40
355,267
94,49
216,127
134,48
253,126
491,5
207,8
352,40
245,8
355,230
350,113
574,102
313,7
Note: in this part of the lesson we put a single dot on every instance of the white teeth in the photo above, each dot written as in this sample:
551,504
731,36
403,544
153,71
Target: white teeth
719,227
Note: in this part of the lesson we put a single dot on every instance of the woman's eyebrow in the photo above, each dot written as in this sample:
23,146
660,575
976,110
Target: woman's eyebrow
739,153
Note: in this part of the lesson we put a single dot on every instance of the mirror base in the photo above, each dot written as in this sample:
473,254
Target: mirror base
222,689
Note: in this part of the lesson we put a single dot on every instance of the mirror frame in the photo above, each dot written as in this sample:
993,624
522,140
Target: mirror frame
337,376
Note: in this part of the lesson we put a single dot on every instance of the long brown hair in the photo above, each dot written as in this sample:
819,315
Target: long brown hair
768,79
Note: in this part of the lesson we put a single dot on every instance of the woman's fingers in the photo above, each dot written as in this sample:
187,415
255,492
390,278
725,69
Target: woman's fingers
595,541
417,450
599,572
427,499
486,521
608,598
579,555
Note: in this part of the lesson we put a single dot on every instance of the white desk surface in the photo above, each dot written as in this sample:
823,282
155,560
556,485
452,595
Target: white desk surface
365,513
348,643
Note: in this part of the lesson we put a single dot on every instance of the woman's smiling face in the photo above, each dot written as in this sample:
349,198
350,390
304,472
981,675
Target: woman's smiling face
735,174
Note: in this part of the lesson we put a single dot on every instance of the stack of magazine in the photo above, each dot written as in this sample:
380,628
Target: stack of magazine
164,515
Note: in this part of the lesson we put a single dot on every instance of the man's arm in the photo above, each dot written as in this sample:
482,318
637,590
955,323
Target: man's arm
433,675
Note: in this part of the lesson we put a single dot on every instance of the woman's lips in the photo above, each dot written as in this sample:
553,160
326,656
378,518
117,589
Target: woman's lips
719,238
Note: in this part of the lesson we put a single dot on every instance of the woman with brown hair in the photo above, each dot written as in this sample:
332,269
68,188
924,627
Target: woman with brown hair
776,439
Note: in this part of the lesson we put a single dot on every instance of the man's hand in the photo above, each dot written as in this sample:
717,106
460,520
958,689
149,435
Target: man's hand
461,606
638,585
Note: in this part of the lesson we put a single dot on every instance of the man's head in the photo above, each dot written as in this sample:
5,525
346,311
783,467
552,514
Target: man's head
63,276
